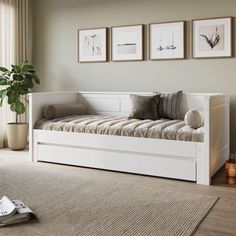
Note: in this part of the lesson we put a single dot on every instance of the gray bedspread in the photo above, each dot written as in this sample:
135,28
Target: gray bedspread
122,126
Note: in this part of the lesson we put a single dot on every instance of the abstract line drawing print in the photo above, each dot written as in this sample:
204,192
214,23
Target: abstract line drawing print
92,45
211,38
167,42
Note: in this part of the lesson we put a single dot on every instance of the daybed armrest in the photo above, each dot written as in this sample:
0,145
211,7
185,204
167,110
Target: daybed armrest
37,101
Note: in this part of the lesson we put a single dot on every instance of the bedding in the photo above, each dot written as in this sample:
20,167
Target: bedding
122,126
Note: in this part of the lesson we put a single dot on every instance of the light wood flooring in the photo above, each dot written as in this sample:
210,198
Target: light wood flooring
221,221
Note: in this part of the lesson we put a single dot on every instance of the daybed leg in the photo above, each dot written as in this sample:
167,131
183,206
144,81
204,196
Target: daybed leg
203,166
35,148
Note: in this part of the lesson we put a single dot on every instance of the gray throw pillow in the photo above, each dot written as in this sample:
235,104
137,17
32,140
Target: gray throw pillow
169,105
62,110
144,107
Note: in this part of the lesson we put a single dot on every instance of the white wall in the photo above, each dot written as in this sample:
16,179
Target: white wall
55,48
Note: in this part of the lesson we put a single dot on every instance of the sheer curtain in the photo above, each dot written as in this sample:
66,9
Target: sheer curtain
15,46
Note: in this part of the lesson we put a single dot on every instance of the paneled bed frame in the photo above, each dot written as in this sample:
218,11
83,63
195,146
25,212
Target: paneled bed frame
193,161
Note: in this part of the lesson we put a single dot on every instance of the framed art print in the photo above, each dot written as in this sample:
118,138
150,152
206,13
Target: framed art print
212,38
92,45
167,40
127,43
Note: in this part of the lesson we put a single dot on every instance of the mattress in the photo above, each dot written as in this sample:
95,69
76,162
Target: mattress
122,126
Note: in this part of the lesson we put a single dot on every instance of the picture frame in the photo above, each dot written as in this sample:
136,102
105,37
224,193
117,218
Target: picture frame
92,45
127,43
212,38
167,40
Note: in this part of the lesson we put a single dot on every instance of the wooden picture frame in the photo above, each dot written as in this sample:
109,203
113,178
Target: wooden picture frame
212,38
93,45
127,43
167,40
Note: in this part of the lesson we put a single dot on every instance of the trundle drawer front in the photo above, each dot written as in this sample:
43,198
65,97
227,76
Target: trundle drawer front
140,163
112,143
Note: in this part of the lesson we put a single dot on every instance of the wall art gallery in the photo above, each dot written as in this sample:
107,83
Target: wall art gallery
211,38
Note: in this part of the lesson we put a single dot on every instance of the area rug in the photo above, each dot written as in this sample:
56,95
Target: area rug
85,202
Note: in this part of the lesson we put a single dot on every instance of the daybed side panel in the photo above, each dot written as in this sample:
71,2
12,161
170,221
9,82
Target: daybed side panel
204,150
37,101
219,132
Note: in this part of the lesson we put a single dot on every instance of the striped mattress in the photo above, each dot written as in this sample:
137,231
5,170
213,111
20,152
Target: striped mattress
122,126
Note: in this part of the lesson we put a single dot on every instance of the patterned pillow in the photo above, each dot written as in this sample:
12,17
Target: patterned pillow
169,105
144,107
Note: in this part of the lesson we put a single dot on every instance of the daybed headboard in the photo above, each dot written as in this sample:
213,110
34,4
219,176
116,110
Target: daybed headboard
115,103
112,103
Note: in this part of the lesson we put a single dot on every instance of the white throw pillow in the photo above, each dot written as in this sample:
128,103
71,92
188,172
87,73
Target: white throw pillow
194,119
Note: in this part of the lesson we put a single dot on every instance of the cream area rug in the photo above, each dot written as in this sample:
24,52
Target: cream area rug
72,201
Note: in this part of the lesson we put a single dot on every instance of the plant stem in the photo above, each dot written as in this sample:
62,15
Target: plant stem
24,99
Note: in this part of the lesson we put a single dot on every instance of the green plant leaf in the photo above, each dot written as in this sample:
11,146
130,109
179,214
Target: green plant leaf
4,76
16,68
3,69
27,67
28,83
31,71
18,81
12,96
5,82
3,94
18,107
36,78
18,77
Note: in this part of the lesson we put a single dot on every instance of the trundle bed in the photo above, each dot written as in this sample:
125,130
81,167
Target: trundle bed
138,151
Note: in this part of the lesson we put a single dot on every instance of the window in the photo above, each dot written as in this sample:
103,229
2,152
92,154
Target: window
6,33
6,54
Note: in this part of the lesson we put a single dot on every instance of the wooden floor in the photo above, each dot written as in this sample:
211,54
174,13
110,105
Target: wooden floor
220,180
221,221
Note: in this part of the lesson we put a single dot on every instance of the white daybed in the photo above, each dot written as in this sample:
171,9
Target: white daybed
193,161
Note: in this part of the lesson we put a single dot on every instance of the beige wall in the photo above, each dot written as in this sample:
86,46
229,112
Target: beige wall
55,48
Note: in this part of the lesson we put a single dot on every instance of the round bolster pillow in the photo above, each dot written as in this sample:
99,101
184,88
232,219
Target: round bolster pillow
61,110
194,119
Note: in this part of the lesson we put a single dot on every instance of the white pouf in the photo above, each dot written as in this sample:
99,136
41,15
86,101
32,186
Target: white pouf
194,119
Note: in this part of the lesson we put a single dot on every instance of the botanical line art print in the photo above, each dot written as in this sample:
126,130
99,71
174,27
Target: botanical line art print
212,38
93,45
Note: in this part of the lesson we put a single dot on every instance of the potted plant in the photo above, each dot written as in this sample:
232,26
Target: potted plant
15,83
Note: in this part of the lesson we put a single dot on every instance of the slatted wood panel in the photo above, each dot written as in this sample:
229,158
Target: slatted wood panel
119,103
